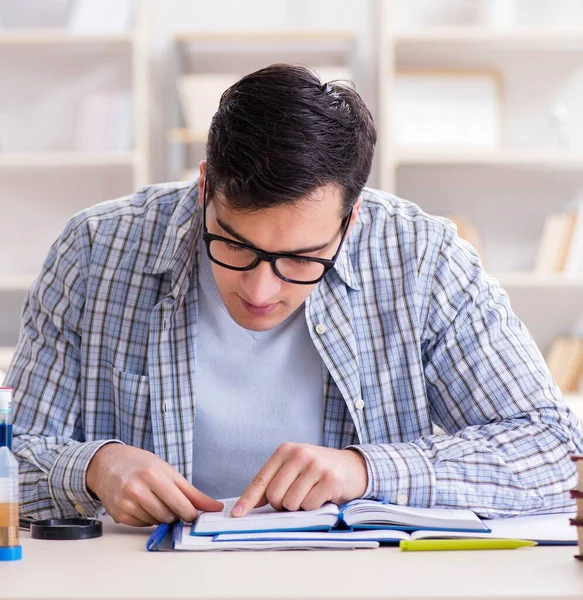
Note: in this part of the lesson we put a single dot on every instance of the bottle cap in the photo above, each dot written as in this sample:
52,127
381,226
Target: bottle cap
5,398
10,553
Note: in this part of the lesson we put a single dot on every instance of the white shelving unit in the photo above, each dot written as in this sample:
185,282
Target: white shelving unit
509,191
517,37
244,52
61,36
67,160
525,159
42,188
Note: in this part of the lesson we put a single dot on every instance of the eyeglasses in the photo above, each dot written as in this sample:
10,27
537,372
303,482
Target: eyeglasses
293,268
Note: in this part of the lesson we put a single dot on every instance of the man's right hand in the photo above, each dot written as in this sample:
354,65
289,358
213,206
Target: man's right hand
138,488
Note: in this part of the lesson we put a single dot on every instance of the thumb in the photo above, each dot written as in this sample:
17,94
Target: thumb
197,498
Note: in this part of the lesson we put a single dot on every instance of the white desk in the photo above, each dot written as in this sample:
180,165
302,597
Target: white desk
117,566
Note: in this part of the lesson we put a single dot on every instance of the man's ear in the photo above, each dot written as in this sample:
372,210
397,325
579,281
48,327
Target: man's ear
354,217
202,167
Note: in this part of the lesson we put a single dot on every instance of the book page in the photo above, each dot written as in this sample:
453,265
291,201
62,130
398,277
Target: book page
539,528
264,518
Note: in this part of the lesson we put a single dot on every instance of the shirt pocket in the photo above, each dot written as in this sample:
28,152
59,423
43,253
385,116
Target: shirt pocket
131,400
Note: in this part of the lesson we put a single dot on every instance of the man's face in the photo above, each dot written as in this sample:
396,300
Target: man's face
258,299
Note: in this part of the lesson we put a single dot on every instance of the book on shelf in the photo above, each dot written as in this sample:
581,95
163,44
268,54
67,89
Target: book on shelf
565,362
468,231
104,16
200,94
554,244
374,523
577,494
573,265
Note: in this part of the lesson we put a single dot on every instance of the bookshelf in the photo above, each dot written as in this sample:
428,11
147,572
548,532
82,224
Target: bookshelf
243,52
531,279
483,37
510,189
521,158
48,180
61,36
66,160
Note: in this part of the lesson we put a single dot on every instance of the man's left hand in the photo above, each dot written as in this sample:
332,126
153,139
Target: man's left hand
305,476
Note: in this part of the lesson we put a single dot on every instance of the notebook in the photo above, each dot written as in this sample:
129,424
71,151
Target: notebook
181,539
547,530
357,514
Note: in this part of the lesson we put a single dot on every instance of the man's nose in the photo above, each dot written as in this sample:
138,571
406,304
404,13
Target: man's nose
261,284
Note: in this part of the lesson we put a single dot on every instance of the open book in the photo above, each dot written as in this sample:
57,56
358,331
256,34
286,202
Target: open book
552,530
284,532
357,514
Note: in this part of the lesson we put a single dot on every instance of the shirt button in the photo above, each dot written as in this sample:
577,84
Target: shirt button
80,509
321,328
359,404
402,499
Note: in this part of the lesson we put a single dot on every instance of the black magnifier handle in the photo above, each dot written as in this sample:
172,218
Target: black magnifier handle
25,522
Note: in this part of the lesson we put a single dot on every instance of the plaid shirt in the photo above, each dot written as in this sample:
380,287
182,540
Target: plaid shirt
411,331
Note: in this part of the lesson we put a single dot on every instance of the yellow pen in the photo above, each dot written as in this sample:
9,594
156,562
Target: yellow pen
463,544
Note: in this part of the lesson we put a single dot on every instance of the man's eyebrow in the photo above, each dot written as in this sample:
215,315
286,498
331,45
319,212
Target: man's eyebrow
243,239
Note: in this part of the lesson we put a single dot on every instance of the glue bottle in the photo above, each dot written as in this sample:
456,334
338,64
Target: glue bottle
10,548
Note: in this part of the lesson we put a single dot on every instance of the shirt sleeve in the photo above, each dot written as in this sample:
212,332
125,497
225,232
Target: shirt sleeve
45,373
508,433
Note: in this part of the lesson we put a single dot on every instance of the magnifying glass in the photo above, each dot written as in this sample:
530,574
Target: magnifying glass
62,529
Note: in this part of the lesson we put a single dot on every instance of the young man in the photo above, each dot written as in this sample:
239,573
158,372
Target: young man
275,331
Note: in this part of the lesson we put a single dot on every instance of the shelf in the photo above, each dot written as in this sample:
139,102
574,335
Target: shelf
537,38
529,279
264,37
16,283
65,159
39,37
185,136
545,159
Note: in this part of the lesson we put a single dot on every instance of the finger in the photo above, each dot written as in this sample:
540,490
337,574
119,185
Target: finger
156,508
171,495
281,483
130,506
139,513
198,498
135,522
128,519
317,496
299,489
262,502
255,491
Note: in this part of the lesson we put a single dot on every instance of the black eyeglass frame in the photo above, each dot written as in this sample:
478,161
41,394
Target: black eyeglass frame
270,257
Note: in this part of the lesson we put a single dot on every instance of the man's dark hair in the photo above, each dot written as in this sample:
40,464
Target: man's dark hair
279,134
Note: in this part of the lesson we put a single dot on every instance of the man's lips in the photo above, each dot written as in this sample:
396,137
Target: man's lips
259,311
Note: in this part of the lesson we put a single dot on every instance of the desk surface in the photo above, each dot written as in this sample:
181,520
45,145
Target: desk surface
118,566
